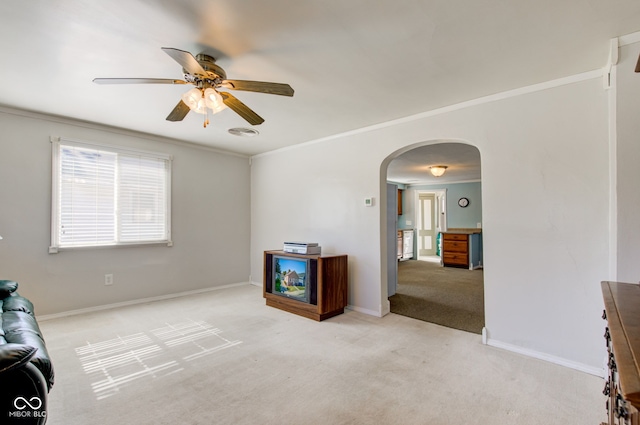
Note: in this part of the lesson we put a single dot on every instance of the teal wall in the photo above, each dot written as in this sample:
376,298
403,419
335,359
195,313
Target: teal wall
457,217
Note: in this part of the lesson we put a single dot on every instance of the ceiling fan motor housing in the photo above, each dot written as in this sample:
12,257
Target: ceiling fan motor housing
208,63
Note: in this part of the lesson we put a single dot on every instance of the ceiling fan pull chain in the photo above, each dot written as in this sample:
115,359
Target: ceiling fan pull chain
206,118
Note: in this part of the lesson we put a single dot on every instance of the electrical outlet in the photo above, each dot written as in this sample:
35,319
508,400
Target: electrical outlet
108,279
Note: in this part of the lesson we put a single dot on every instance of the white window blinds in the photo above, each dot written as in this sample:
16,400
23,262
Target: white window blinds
108,196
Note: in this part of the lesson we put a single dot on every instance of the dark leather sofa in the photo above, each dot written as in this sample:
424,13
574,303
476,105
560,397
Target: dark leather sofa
26,372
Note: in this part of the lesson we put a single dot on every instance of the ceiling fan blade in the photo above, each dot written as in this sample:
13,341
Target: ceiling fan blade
186,59
179,112
258,86
137,81
241,109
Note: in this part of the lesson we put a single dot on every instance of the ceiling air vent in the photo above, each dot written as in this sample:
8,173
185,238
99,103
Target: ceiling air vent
242,131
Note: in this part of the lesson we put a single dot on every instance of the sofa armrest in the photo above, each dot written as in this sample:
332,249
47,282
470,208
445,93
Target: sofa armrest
22,328
14,356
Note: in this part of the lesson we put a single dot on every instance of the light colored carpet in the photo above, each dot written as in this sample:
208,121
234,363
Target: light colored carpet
449,296
225,358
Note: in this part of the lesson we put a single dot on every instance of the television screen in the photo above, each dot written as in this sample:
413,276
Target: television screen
290,278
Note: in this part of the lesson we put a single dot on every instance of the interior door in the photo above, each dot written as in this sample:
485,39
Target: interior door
427,224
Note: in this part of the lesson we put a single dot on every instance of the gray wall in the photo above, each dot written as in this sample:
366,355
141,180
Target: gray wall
210,221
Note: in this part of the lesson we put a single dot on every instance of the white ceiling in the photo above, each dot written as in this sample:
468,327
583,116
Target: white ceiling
352,63
412,167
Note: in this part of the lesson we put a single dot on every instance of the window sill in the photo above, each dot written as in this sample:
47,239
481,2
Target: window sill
57,249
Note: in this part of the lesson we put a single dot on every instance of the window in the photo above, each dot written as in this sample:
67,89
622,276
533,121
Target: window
104,196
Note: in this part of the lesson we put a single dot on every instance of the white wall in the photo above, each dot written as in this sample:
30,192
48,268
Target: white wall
628,163
545,213
210,222
316,193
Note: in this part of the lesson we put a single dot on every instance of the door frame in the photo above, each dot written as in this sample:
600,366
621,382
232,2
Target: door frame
441,210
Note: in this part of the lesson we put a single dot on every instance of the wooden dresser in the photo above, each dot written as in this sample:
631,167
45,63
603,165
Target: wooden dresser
455,249
622,313
462,248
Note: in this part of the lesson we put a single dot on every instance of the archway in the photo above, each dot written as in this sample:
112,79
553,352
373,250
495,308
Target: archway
449,206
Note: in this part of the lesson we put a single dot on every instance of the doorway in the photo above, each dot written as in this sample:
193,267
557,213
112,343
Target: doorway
425,290
430,222
427,234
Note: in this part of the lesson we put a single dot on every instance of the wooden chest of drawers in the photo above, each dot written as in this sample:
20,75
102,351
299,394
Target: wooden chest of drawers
622,335
455,249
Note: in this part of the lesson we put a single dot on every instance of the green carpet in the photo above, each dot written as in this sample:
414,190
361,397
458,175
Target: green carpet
446,296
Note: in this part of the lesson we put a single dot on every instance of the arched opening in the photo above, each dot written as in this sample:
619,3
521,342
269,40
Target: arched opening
433,234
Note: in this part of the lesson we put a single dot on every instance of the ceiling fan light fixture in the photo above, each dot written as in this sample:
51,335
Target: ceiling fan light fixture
438,170
213,100
194,100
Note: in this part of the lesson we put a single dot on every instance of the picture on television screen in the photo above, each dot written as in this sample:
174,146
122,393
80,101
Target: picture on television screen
290,277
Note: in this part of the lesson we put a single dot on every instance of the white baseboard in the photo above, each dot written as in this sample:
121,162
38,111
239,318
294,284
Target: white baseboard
137,301
363,310
600,372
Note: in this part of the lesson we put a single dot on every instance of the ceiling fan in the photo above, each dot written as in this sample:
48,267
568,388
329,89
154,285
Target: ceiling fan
202,72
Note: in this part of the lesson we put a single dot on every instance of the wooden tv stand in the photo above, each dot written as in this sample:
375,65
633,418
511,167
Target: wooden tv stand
331,280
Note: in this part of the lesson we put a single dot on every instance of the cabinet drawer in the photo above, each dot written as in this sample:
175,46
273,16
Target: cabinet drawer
455,246
454,258
454,237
